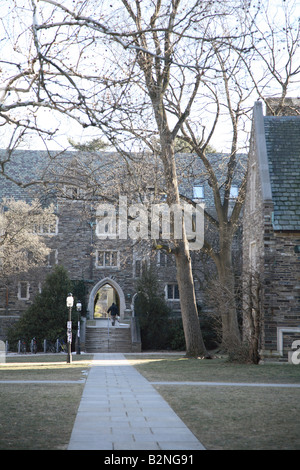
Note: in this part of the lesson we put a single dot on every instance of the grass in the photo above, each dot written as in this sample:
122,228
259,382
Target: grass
44,367
37,417
41,416
174,368
238,418
230,418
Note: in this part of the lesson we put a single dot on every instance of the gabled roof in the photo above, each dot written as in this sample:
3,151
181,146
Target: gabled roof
283,150
278,151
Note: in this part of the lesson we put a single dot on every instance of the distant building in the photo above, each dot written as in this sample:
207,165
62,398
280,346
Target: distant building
108,268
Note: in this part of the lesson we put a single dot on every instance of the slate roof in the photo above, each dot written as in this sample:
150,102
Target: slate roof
282,135
21,169
29,165
26,166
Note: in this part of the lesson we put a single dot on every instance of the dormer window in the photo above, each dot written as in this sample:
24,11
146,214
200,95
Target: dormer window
234,192
198,191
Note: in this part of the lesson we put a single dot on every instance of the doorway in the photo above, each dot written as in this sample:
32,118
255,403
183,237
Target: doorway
105,296
113,291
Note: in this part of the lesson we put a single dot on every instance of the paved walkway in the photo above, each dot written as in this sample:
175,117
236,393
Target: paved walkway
121,410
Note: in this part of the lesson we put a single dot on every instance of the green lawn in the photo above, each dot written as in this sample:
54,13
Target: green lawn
174,368
41,416
230,418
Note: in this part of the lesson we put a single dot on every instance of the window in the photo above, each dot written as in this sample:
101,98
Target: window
252,256
172,292
198,192
253,187
50,228
163,259
73,192
139,266
23,290
107,259
234,192
52,258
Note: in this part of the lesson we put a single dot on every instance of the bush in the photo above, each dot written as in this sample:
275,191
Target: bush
47,317
159,330
210,330
176,335
152,311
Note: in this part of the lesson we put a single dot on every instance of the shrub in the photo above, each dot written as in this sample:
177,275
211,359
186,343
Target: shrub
152,311
48,314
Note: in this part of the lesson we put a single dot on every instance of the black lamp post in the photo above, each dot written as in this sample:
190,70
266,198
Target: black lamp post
78,307
70,302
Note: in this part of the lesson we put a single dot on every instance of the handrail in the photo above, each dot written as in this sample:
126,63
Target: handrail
135,334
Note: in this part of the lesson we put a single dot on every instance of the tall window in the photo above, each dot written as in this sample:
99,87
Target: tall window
23,290
139,265
52,258
137,268
163,259
172,292
253,256
253,187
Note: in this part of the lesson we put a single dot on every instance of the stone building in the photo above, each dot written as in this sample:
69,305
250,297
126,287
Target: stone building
271,230
109,267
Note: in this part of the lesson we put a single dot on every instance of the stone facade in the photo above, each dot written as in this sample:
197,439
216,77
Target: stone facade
95,261
271,230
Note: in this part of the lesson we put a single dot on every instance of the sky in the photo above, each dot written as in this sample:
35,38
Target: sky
68,127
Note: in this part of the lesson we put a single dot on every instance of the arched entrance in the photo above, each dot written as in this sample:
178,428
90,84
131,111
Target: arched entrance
105,296
101,297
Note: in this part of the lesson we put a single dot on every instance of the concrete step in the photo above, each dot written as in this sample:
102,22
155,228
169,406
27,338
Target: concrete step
105,323
113,340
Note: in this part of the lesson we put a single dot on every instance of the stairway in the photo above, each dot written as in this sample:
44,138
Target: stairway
113,339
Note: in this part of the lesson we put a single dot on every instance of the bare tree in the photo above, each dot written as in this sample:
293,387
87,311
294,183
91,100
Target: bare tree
138,73
22,226
276,50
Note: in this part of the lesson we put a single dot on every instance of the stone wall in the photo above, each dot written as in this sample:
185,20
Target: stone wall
272,257
282,288
77,247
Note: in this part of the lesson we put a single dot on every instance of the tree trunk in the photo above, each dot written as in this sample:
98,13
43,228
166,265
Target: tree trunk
231,336
193,336
252,313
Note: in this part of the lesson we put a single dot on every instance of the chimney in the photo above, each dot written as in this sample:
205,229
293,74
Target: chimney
287,107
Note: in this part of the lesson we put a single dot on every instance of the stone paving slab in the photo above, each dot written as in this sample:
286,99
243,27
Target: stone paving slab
121,410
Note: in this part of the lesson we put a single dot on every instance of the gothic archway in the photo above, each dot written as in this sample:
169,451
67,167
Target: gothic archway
116,295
